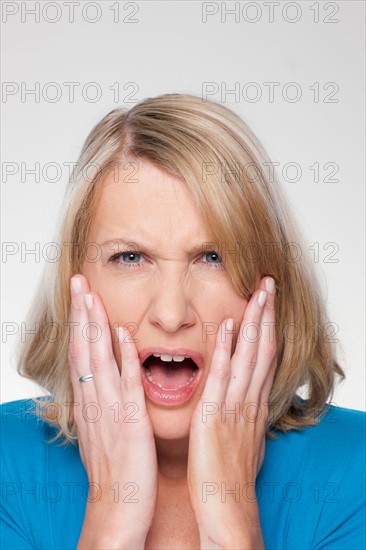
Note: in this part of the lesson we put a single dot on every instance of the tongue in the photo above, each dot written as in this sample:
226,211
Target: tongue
170,375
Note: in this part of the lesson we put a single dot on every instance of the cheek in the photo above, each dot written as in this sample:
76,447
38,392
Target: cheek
239,306
118,298
224,302
121,304
121,310
122,307
126,297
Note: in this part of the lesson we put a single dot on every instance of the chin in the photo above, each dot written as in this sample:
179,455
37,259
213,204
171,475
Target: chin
172,423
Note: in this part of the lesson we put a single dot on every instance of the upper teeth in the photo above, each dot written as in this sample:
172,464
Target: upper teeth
177,358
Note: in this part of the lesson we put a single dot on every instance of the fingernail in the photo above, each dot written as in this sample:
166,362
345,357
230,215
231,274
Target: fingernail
75,285
88,299
270,285
230,324
262,298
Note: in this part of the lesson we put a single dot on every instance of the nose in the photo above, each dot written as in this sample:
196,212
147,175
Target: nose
171,308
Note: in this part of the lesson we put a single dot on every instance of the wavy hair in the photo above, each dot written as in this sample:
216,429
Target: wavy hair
243,209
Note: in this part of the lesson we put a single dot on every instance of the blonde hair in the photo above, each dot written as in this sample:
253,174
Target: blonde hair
243,209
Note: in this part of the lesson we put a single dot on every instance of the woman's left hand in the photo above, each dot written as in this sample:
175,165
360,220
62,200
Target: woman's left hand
227,435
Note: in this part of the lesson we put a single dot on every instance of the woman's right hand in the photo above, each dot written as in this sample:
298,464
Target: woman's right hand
115,435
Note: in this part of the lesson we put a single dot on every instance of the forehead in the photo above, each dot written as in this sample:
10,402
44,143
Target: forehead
143,201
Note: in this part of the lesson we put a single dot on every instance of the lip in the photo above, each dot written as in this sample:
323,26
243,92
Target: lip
165,397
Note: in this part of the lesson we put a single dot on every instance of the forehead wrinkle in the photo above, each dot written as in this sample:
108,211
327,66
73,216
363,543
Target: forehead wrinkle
128,244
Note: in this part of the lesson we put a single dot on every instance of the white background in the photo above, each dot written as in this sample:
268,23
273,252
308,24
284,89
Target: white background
169,48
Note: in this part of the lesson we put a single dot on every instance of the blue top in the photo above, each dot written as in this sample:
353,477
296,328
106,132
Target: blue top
310,489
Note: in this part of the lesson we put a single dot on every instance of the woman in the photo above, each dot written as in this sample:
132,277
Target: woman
174,363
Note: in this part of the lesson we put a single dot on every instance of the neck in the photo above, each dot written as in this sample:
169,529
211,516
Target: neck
172,457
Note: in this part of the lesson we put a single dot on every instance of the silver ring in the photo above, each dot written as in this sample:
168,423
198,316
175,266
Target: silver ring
86,378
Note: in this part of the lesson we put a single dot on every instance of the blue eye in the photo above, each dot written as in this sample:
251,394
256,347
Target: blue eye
116,258
217,257
126,259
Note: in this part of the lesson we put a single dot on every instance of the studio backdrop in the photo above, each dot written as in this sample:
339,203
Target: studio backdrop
294,71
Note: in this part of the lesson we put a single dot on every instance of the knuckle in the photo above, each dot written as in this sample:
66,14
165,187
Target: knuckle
269,305
274,364
76,306
222,370
96,361
264,411
270,350
128,382
74,353
251,361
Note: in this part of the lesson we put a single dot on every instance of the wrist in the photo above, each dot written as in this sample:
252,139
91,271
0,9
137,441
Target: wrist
208,543
103,529
233,533
235,542
245,541
111,542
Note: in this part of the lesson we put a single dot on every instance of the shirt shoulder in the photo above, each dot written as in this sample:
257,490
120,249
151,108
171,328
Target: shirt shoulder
311,485
332,480
29,447
336,421
44,482
20,418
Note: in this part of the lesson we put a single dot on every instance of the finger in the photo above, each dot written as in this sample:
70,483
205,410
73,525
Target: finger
218,376
131,377
103,364
78,352
261,455
266,348
266,390
244,359
263,407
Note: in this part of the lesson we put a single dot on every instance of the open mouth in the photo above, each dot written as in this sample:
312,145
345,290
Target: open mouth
170,373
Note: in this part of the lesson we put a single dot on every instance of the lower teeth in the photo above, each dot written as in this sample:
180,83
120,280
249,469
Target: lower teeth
149,376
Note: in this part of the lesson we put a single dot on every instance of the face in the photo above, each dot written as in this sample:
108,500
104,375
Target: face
167,294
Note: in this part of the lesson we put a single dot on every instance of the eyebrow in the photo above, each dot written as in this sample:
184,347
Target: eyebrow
129,243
